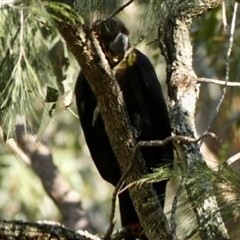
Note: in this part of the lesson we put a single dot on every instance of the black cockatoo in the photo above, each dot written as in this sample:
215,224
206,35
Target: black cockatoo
145,105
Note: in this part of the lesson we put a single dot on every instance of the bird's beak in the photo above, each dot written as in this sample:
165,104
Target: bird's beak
120,44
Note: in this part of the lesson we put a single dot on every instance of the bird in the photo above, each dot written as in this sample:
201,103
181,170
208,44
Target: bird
146,108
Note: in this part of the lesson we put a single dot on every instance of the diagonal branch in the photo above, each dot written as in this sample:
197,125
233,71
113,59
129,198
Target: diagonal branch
39,158
95,67
229,50
121,8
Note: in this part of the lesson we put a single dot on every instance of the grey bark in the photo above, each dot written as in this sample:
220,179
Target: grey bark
174,39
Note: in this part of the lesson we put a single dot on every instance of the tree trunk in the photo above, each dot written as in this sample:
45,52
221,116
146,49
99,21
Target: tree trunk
183,89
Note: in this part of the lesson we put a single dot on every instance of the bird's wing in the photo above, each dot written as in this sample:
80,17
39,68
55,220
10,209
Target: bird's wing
95,135
153,96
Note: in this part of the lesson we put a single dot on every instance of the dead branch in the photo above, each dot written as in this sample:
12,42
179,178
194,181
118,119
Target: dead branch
121,8
233,161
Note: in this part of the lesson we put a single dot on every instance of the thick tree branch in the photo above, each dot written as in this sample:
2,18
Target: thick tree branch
39,158
40,231
183,90
101,79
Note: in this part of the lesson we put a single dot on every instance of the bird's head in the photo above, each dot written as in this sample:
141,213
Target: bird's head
113,37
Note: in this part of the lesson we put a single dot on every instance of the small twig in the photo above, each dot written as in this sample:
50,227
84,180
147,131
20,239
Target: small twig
120,9
227,69
153,41
116,192
154,143
233,159
116,12
228,162
159,143
173,221
72,112
224,18
219,82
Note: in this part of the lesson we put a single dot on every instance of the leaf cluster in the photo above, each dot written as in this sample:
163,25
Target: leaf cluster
27,78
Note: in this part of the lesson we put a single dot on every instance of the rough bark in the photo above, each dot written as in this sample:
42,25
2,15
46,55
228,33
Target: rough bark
40,231
101,79
174,38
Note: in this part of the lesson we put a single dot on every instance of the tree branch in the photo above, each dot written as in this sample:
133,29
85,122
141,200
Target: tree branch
39,158
183,90
218,82
40,231
233,161
101,79
224,90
